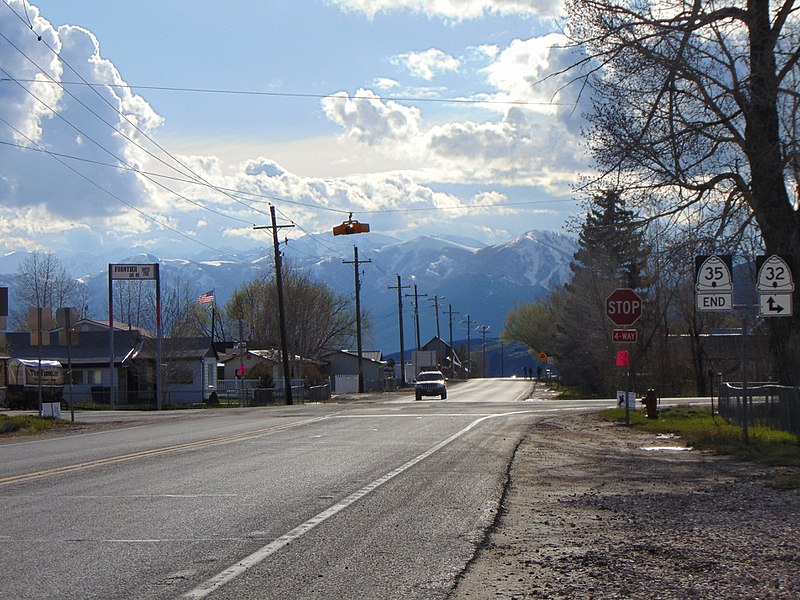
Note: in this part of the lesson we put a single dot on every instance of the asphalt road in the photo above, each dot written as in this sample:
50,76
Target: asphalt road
377,498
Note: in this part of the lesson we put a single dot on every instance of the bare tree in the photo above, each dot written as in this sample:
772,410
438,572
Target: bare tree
42,281
134,304
696,106
316,318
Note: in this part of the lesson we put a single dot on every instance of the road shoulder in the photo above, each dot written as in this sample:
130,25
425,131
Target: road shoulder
599,510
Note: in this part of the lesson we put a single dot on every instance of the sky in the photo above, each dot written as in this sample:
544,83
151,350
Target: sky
175,126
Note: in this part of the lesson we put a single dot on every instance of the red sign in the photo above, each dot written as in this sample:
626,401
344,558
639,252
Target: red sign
623,359
624,335
624,307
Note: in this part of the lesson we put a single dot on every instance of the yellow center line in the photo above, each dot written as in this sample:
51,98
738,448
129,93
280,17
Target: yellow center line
112,460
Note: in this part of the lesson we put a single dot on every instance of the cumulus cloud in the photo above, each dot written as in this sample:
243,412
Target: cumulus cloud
535,71
262,166
533,140
74,163
454,10
386,83
370,120
428,64
62,129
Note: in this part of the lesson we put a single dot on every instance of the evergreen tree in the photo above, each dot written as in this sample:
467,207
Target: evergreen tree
610,242
611,254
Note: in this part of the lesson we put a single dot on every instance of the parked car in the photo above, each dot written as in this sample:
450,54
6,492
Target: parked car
430,383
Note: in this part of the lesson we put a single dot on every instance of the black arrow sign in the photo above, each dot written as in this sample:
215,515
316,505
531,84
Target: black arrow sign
773,305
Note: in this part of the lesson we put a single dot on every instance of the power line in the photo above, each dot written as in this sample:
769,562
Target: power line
105,100
186,174
128,204
332,96
273,198
107,151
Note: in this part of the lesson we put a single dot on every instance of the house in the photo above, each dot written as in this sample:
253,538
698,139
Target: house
87,324
257,363
188,372
445,354
189,368
88,359
342,369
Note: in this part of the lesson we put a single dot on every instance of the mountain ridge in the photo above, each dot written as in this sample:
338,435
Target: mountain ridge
467,280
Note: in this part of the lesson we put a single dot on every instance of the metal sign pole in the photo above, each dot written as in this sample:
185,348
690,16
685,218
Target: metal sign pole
111,394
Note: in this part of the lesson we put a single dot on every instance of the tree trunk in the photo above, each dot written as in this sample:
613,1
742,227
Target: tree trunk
772,208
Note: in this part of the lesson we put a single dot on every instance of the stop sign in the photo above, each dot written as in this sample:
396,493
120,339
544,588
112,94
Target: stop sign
624,306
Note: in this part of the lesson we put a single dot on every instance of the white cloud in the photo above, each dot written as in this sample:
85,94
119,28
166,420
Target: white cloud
370,120
427,64
454,10
534,139
388,157
25,103
488,50
528,71
385,83
84,125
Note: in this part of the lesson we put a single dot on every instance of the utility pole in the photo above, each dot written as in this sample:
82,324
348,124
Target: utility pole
435,301
483,329
416,296
468,370
287,372
399,287
242,397
355,262
450,313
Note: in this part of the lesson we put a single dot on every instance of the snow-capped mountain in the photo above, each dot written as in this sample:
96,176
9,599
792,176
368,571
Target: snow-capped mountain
466,279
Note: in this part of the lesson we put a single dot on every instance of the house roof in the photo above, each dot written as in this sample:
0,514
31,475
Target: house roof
273,355
370,355
86,324
91,346
441,347
180,348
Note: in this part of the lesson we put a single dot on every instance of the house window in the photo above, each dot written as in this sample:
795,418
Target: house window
211,374
77,377
182,376
94,376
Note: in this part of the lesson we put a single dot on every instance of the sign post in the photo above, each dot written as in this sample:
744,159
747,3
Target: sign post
624,308
133,272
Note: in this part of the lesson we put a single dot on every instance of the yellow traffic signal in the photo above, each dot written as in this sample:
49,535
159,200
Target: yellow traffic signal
351,226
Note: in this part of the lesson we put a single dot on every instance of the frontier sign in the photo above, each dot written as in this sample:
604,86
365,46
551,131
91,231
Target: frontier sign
624,307
126,271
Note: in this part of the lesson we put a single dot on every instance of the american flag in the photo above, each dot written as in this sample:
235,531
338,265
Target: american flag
206,297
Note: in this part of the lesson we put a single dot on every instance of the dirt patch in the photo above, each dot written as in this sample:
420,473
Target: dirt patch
598,510
65,429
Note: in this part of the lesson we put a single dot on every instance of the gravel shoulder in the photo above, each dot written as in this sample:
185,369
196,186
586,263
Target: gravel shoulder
600,510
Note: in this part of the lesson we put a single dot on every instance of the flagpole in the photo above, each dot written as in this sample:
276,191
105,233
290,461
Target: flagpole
213,312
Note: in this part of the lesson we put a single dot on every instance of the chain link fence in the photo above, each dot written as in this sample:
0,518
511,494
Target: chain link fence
767,405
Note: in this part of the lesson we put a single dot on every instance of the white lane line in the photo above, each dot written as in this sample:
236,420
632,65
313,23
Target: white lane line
216,582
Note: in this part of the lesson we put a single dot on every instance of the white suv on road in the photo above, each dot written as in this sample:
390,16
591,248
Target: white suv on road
430,383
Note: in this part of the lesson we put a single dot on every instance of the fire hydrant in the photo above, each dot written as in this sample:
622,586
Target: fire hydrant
650,402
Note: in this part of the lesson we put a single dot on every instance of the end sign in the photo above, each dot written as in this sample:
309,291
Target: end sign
624,307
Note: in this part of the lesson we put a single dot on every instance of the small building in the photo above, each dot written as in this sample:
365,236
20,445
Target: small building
87,361
188,372
253,364
446,358
342,369
126,374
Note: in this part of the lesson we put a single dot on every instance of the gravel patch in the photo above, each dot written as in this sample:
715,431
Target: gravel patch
600,510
